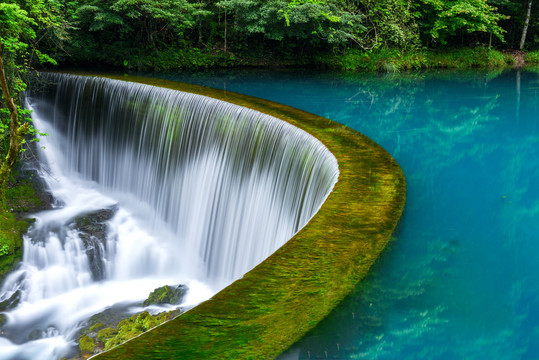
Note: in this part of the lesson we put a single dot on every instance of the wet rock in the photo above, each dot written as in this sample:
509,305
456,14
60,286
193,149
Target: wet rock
92,229
12,302
97,217
35,334
93,224
3,320
166,295
110,317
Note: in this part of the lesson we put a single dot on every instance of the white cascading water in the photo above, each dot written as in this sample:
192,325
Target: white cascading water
202,191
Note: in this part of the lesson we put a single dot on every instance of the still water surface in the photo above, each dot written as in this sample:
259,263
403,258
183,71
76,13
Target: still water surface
461,279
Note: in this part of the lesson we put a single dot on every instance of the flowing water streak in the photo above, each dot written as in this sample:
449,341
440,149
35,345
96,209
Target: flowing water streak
206,188
230,182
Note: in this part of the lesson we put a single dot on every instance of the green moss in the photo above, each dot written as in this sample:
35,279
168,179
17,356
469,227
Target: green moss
97,327
166,295
276,303
21,196
132,327
105,334
11,231
86,344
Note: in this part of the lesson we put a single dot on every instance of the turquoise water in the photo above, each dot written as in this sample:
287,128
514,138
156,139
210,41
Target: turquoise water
461,279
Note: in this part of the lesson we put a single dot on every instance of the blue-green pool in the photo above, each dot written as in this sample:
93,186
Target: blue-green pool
461,278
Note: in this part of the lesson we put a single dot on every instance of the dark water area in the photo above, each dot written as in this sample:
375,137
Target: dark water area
461,278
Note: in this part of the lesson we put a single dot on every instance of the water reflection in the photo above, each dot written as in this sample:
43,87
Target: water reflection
460,280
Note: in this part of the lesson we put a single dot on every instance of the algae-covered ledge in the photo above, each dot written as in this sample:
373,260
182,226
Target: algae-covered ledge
276,303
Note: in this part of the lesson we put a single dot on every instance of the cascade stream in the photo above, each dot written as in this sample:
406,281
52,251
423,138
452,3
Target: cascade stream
197,191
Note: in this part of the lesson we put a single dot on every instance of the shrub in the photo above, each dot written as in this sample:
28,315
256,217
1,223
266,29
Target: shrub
532,57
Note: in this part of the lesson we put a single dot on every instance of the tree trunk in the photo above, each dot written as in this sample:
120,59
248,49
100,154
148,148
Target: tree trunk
225,31
526,24
16,133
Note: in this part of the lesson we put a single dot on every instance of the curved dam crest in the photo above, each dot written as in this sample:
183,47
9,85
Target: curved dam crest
262,314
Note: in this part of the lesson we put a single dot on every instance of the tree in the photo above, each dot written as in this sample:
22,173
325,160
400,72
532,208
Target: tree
393,22
443,19
526,24
134,29
314,22
18,49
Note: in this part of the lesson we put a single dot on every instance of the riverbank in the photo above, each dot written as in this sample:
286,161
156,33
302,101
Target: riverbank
380,60
457,59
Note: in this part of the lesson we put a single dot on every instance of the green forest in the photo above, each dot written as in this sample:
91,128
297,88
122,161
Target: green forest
165,35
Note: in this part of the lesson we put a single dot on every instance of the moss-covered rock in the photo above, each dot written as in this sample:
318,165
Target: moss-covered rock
11,232
133,327
22,197
109,317
25,193
26,190
105,334
166,295
97,327
86,344
116,328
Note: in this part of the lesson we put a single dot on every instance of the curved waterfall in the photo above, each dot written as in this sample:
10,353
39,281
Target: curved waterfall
201,191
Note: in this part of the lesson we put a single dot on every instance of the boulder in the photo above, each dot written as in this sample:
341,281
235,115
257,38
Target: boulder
166,295
92,229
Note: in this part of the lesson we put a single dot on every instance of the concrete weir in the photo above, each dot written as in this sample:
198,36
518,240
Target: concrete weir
272,306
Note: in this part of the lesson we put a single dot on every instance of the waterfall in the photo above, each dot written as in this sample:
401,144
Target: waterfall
202,191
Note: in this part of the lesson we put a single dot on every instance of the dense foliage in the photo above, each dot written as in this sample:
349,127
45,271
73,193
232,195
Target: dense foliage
169,34
23,25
